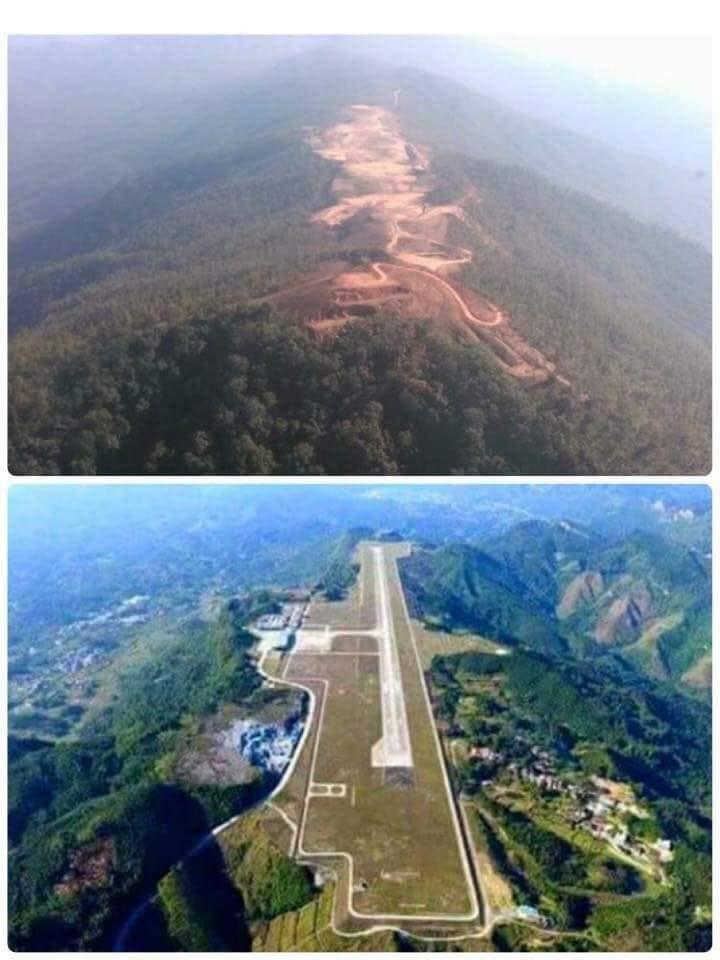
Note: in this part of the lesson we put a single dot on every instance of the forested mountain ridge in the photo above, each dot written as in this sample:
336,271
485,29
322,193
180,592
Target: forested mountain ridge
448,116
463,585
241,87
620,310
141,199
642,599
640,270
172,235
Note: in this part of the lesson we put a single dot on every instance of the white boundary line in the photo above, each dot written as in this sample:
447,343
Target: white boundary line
339,653
441,759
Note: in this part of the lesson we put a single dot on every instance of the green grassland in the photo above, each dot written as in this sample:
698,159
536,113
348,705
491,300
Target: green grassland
433,641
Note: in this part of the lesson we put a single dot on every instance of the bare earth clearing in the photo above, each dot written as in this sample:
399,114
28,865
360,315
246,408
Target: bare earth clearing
381,200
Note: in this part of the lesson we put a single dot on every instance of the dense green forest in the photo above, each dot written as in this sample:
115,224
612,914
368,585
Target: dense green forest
159,245
624,309
595,722
244,393
95,820
462,586
626,269
124,357
341,570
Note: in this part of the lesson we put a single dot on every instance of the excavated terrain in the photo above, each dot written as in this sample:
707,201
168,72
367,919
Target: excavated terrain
381,201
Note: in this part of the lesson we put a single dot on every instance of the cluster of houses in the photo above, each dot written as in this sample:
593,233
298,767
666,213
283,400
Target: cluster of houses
78,660
601,813
541,772
599,806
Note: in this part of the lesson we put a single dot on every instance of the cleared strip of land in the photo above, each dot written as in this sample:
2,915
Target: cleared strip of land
391,833
382,191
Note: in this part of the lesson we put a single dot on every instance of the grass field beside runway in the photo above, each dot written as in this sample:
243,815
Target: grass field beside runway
357,643
435,642
357,610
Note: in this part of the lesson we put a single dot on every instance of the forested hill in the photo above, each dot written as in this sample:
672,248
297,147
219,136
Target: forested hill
635,273
245,393
643,600
164,113
449,116
242,392
124,356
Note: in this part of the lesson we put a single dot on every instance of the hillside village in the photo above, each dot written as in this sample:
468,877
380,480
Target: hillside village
606,809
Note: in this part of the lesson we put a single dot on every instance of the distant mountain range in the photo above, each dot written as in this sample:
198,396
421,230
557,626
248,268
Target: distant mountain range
562,588
160,87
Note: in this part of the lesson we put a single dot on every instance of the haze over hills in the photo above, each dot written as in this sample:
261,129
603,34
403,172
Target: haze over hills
55,100
516,546
351,198
534,80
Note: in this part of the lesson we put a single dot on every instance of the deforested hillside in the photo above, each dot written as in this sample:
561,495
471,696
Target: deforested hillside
643,600
317,208
172,94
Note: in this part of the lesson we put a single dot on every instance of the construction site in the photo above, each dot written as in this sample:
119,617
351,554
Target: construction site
381,200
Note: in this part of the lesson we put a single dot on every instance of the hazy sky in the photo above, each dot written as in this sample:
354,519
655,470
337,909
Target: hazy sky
679,67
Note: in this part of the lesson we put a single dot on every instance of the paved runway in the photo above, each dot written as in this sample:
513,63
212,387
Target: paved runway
394,750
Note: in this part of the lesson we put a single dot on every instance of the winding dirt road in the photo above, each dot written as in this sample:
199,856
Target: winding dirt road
498,317
381,190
